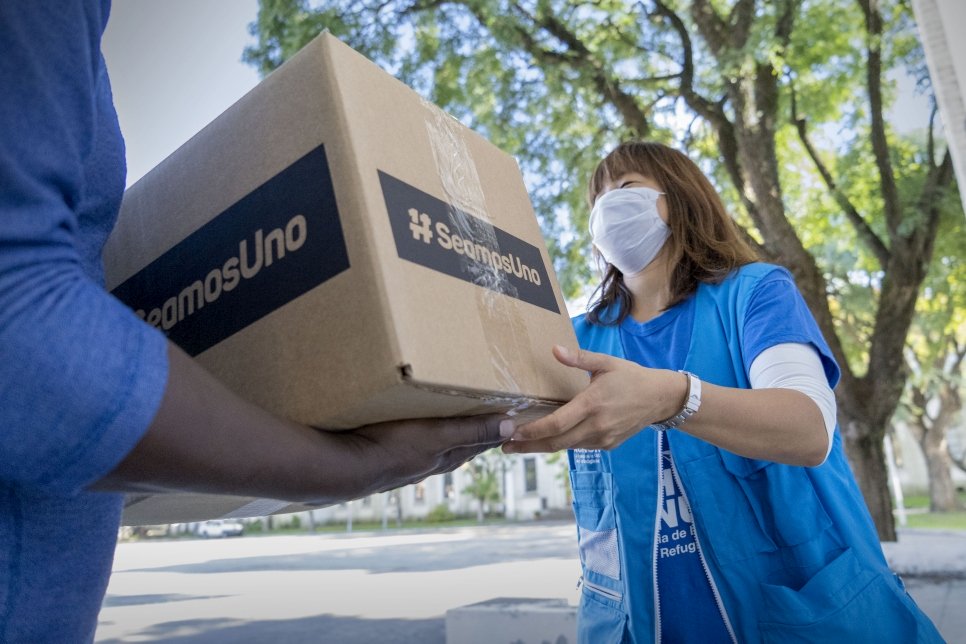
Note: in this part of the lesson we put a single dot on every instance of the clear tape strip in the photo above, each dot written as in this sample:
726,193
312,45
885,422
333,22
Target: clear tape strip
464,196
256,508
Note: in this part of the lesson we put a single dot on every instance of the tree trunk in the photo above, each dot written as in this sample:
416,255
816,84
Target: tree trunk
863,444
865,401
942,490
931,434
751,151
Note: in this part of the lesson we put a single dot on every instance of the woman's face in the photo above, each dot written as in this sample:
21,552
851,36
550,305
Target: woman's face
637,180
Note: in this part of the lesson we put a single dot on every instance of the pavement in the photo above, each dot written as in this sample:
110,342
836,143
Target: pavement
932,563
397,586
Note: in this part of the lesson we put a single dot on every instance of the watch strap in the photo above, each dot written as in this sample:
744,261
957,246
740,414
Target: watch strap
692,403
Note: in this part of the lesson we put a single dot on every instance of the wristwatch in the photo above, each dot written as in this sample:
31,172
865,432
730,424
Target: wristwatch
691,404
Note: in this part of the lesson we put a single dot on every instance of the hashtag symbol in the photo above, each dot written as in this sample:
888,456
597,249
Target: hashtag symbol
420,223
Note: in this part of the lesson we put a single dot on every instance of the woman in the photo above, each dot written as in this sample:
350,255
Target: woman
713,499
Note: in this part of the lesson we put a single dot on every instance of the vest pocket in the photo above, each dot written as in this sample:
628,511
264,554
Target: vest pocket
719,498
599,622
782,498
758,507
843,602
596,522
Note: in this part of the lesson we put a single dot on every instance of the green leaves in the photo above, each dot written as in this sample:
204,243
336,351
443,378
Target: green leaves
557,83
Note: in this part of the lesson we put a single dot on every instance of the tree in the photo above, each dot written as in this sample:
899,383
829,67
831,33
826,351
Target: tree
933,407
484,485
935,353
558,461
751,88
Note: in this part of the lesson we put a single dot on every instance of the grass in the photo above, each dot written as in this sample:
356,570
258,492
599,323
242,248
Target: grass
371,526
257,528
937,520
919,516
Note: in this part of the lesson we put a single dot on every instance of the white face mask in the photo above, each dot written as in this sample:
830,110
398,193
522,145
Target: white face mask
627,229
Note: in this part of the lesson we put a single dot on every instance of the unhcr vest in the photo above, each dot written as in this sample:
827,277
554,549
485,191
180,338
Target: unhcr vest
792,552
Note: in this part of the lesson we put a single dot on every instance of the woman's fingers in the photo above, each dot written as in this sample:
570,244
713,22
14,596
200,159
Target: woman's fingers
601,416
554,424
583,359
555,443
583,435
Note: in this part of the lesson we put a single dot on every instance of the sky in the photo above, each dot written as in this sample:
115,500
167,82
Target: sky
174,67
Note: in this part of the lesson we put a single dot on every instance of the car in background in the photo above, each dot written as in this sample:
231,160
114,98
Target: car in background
221,528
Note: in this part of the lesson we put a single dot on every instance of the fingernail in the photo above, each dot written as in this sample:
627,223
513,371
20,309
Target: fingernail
564,351
507,427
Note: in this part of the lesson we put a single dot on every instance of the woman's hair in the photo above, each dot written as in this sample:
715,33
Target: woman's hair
705,244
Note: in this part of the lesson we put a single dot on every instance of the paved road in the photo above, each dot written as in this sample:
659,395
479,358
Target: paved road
350,589
388,587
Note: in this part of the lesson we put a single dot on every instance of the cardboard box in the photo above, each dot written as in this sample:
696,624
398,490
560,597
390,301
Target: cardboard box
341,252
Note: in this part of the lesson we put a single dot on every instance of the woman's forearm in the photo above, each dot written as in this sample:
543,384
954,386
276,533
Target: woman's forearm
780,425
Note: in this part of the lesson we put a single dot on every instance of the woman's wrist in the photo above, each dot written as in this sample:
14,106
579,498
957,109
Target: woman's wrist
676,407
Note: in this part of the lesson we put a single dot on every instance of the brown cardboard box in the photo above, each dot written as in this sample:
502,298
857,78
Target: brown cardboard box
341,252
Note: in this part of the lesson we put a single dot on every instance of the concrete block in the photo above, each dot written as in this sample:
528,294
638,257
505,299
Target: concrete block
512,620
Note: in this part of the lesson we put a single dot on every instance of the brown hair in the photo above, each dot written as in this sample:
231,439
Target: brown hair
705,245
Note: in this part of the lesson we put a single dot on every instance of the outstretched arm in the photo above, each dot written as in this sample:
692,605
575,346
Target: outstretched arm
92,397
205,438
781,425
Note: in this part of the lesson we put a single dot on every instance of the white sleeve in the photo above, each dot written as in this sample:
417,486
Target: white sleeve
794,365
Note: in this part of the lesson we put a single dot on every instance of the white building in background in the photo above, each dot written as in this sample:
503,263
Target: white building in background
531,486
942,27
910,462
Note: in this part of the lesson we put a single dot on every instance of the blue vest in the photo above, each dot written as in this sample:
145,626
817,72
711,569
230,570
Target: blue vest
792,552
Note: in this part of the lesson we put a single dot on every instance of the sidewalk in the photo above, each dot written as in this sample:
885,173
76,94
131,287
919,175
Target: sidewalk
398,586
932,563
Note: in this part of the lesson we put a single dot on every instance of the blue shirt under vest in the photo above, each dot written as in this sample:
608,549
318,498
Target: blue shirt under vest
776,314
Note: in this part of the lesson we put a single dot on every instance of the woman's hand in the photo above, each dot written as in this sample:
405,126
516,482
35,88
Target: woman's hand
621,399
778,424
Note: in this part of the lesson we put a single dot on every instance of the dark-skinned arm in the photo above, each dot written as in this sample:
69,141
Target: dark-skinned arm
207,439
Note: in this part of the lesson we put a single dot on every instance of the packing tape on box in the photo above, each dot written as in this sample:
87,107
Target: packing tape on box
464,196
256,508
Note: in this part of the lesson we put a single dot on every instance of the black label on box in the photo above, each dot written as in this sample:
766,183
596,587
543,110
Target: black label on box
276,243
432,233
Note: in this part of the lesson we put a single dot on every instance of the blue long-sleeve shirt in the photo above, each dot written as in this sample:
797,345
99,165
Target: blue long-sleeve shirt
80,376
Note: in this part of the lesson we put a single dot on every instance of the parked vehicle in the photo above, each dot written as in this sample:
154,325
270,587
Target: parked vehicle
221,528
144,532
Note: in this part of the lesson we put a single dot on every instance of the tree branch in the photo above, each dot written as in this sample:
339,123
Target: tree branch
708,109
880,144
785,22
711,111
579,57
938,178
865,233
740,19
713,28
